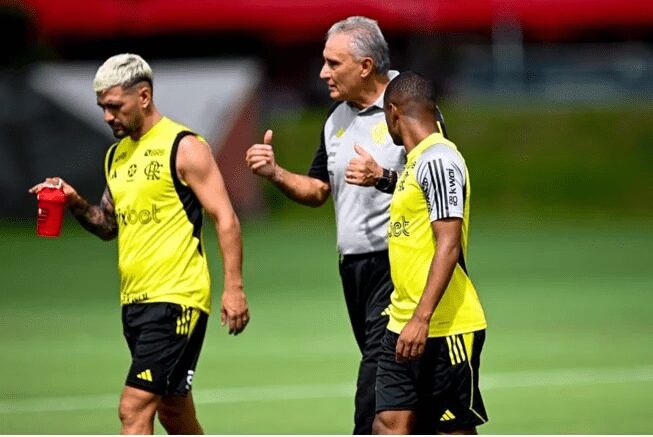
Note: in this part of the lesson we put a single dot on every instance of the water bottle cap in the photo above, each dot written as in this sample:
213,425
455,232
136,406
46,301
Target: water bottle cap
52,194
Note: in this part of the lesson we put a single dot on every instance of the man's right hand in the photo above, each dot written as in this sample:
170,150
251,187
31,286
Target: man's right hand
260,157
56,182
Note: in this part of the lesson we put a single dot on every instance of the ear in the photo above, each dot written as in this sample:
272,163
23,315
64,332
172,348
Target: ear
394,113
366,67
145,96
391,115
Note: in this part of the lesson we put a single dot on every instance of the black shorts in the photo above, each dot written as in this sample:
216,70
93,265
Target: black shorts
165,340
441,387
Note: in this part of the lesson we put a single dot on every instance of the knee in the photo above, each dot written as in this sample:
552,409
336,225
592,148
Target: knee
131,415
178,417
126,413
378,426
134,414
388,423
169,416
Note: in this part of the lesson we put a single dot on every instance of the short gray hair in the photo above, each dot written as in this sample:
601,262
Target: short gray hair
366,40
125,69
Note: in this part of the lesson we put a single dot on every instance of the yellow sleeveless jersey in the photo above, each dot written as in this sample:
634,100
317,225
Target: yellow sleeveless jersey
434,185
160,249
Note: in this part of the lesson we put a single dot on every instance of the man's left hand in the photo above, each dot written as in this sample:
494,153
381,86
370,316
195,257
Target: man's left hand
412,340
363,169
234,311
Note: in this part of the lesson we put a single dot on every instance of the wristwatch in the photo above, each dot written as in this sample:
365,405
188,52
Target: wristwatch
387,181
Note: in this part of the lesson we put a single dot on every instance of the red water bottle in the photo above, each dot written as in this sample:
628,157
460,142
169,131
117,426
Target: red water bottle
51,203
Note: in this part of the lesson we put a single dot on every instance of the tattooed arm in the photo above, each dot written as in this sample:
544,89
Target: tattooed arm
97,219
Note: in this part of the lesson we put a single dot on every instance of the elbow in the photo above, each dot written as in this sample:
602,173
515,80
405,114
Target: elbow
450,248
314,199
321,195
228,224
308,191
316,202
454,252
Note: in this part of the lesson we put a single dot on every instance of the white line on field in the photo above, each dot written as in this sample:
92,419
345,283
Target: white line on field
493,381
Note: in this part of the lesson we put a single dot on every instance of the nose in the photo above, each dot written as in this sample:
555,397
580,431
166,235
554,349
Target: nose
108,116
324,72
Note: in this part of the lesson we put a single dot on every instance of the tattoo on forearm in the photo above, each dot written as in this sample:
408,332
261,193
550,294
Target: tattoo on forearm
97,219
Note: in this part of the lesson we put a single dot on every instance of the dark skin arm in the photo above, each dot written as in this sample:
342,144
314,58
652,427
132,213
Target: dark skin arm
412,339
97,219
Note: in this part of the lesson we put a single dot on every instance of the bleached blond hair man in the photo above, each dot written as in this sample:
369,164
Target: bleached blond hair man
161,179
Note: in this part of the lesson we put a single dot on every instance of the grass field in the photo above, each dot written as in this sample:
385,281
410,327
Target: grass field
568,348
534,155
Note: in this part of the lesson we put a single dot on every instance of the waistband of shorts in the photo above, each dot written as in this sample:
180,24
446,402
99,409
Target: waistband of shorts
362,256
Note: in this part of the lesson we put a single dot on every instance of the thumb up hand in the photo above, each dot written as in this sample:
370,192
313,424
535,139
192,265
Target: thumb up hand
267,137
362,152
260,157
362,169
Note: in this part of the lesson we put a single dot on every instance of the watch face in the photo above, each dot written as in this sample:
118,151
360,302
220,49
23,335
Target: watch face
383,183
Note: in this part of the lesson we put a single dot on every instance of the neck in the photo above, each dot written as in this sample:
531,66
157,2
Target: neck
370,91
415,131
151,118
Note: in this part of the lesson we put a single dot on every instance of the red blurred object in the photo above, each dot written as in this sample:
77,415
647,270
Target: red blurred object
51,203
302,20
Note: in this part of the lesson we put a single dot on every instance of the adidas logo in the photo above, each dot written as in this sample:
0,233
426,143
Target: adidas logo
448,415
145,375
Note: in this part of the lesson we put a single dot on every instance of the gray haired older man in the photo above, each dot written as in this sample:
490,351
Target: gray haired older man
357,162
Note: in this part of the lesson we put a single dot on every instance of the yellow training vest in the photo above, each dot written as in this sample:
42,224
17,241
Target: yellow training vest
412,245
160,249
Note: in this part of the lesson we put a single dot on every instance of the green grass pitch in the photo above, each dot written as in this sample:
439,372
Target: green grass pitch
568,347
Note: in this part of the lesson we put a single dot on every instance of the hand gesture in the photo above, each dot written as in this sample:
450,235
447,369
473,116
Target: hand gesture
54,182
260,157
234,311
412,340
363,169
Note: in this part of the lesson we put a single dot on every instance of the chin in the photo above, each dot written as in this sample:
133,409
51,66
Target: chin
336,95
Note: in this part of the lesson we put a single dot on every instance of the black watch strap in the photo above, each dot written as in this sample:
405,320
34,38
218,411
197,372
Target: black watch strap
387,182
